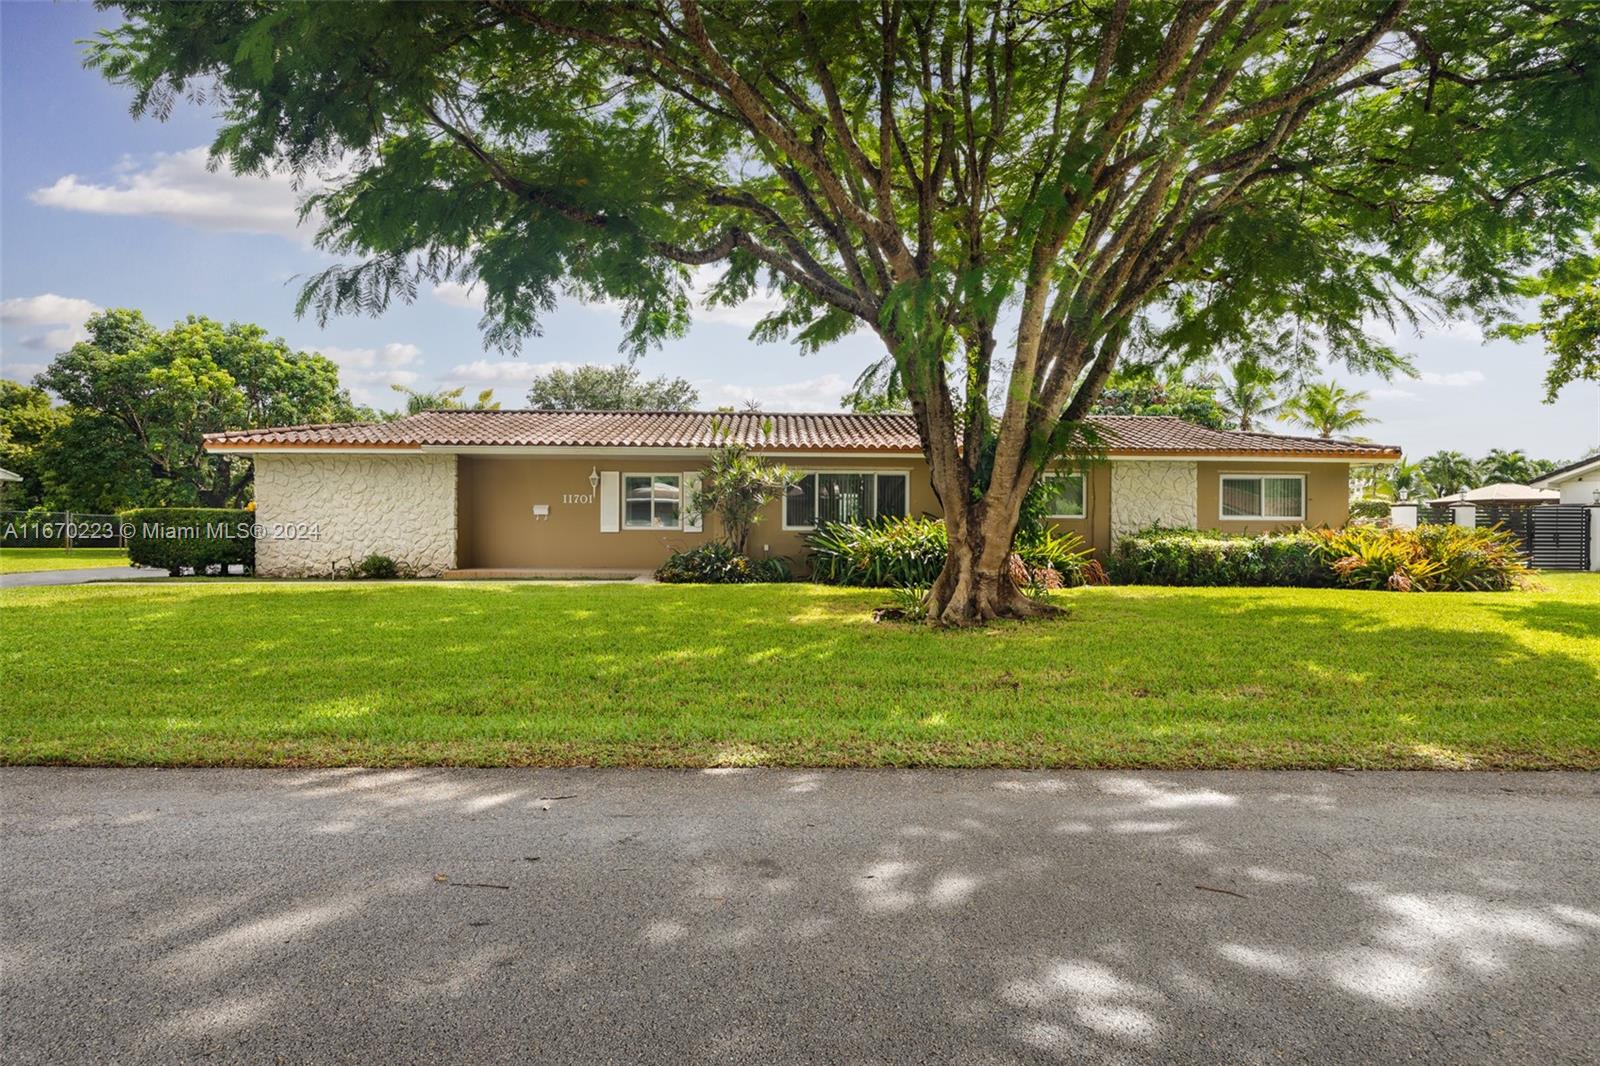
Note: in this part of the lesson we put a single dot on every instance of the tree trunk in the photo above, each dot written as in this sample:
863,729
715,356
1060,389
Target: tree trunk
975,585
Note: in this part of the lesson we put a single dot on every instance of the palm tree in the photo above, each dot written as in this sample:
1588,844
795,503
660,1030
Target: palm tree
445,400
1328,408
1502,465
1450,472
1403,477
1248,394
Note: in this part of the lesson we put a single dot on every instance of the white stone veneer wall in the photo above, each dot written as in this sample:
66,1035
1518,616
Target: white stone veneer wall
1146,492
402,506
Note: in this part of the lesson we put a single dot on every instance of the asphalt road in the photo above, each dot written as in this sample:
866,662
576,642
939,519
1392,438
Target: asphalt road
792,917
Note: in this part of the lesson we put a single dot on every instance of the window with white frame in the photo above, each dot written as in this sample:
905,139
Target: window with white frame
844,496
1270,496
652,501
1064,495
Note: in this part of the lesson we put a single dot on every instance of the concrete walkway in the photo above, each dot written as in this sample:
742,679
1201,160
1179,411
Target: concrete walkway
78,577
792,917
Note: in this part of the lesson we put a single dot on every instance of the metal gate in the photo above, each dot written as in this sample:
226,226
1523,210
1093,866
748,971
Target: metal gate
1560,537
1516,520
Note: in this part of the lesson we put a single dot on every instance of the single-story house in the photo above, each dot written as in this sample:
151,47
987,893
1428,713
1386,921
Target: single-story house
1577,482
610,491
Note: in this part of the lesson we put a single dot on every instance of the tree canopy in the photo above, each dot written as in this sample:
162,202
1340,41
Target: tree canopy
1147,176
621,387
141,399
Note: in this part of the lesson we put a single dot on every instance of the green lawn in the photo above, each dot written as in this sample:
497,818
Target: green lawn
243,672
28,560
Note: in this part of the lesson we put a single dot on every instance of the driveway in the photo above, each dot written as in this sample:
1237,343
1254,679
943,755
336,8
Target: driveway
792,917
77,577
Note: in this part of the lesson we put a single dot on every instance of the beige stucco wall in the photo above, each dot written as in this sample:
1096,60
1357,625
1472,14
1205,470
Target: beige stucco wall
1327,494
497,495
402,506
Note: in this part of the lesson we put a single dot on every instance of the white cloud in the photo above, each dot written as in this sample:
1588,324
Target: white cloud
501,371
1459,329
1456,379
179,187
813,394
369,372
1391,394
46,309
66,313
458,294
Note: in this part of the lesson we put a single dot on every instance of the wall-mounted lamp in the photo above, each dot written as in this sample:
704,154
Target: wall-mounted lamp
594,480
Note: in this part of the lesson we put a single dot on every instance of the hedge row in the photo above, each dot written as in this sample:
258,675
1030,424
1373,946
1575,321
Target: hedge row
175,539
1428,558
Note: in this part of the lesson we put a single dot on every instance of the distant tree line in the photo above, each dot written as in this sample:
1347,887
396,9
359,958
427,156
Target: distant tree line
118,420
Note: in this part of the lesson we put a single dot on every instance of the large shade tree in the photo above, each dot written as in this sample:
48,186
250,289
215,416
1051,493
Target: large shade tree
1007,194
143,398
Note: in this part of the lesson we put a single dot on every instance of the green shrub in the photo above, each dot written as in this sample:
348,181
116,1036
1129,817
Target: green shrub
1064,553
910,552
1369,509
717,563
892,553
376,566
773,569
194,538
1429,558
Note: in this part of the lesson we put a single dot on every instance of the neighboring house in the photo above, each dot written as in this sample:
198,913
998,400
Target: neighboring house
1502,492
1577,482
6,479
595,491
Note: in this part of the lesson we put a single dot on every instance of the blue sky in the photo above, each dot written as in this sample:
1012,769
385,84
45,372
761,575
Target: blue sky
97,210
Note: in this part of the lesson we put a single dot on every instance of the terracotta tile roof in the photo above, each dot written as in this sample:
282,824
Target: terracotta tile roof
1123,434
1170,435
601,429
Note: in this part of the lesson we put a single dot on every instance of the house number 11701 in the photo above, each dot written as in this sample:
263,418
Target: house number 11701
573,497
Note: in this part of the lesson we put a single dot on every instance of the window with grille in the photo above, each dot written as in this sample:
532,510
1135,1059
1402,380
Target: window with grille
844,496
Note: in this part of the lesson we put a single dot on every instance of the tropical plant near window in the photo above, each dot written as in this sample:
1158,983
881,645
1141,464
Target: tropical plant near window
1217,166
1328,408
735,485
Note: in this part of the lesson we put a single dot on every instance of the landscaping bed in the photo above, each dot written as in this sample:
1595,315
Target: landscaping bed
246,673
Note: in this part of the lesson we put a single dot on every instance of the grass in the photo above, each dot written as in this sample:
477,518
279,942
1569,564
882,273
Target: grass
29,560
255,673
